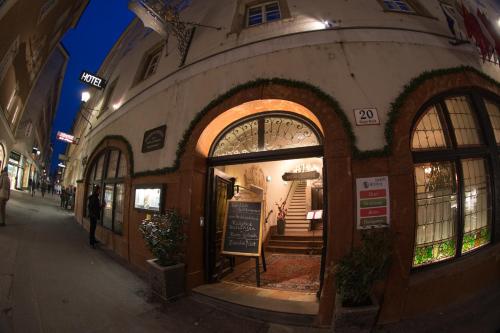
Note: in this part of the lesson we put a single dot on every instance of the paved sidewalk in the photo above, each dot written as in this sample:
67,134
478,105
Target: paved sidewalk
51,281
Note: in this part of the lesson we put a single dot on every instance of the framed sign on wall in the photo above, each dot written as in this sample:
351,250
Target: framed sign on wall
149,198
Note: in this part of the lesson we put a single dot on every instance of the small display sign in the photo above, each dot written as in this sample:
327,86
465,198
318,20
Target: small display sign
148,198
315,215
92,80
367,116
65,137
154,139
373,202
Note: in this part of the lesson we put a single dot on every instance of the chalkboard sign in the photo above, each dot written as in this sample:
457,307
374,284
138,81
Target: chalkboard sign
242,233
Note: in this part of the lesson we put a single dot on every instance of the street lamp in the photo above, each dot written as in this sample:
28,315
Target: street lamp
85,96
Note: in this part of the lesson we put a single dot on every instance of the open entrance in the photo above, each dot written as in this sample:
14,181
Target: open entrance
277,159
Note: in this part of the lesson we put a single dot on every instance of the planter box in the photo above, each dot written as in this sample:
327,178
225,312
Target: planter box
166,283
355,319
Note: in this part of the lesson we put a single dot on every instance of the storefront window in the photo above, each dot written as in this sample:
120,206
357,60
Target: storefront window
108,172
452,190
494,114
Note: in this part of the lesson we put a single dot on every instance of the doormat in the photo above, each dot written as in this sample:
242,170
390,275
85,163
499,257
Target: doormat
284,272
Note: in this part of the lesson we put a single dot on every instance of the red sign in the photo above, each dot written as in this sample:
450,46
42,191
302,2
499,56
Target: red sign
372,194
65,137
367,212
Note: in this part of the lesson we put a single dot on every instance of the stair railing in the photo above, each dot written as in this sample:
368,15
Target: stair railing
289,190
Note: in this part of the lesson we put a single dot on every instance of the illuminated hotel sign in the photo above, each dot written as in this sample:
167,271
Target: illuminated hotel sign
65,137
92,80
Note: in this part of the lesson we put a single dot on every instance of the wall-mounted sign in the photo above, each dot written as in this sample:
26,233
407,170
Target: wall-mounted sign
154,139
367,116
93,80
149,198
65,137
373,202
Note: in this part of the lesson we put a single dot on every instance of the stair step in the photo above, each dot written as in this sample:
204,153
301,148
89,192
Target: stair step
297,250
298,237
296,243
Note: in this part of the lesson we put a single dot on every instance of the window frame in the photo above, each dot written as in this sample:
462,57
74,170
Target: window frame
487,150
149,55
418,8
106,180
262,5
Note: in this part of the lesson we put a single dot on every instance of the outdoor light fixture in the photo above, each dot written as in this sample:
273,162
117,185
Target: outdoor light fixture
116,106
327,24
60,165
85,96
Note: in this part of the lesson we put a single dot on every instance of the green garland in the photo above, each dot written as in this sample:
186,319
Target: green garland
393,114
181,147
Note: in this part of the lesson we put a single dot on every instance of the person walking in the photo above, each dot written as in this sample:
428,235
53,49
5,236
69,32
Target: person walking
63,196
4,194
94,209
43,189
33,188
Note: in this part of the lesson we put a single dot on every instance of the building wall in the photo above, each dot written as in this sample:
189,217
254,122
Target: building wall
368,60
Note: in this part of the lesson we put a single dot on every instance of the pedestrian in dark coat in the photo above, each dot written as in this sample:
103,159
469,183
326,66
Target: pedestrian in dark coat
94,209
4,194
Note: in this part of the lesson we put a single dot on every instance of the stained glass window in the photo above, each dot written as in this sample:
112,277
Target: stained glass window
494,114
428,133
453,195
436,196
463,120
277,132
477,205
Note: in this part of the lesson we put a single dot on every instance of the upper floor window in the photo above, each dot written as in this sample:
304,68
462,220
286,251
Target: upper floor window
149,63
108,93
398,6
453,173
263,13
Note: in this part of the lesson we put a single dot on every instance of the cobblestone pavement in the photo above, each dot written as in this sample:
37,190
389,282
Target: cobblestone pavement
52,281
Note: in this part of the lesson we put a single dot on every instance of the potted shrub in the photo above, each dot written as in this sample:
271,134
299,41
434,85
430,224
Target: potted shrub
355,275
280,218
164,236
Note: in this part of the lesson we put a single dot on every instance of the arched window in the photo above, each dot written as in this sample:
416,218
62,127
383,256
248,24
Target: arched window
108,171
266,133
453,171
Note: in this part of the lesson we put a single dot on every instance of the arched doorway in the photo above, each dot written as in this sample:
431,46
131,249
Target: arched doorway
275,157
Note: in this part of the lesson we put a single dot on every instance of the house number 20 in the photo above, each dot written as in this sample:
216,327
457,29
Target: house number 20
366,116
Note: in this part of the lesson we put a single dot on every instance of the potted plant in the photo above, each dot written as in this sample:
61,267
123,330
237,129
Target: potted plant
164,236
280,219
355,276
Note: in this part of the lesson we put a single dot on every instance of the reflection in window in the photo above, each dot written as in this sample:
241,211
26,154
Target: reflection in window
476,204
436,212
262,13
277,132
429,132
463,120
398,6
494,114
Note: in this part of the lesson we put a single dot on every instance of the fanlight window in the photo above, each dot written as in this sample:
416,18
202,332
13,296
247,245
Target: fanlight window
452,190
265,134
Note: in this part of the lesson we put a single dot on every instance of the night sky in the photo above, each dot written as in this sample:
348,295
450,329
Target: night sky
100,26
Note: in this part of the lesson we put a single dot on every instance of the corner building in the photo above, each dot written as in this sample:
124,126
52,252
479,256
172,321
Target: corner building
267,105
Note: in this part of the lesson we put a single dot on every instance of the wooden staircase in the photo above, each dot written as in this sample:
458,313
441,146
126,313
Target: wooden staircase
297,210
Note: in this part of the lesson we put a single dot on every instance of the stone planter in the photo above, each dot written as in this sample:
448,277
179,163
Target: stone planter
281,226
166,283
359,319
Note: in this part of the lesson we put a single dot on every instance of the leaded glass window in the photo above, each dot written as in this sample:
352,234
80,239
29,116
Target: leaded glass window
428,133
477,207
463,120
452,190
436,195
494,115
265,133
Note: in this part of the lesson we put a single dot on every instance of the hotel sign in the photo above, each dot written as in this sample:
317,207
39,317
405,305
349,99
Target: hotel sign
93,80
65,137
373,202
154,139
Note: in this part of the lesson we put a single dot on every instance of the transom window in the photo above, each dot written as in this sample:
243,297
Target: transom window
263,13
453,178
108,172
265,133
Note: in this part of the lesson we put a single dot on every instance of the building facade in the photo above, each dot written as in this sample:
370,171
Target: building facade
306,103
32,68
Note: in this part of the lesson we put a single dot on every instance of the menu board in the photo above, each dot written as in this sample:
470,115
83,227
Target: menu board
242,233
148,199
373,202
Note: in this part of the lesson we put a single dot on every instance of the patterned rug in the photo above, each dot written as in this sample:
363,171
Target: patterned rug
284,272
